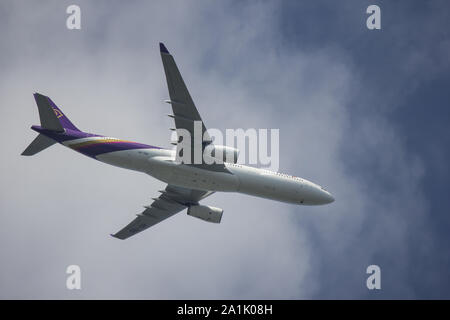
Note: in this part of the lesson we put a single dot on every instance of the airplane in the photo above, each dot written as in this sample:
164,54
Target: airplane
187,182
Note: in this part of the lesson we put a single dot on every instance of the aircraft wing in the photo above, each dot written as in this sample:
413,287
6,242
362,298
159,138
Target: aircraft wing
171,201
185,113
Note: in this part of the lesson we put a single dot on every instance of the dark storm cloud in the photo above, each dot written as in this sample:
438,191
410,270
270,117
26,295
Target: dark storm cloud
399,100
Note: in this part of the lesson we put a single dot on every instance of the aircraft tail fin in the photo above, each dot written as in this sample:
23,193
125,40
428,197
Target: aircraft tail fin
40,143
52,118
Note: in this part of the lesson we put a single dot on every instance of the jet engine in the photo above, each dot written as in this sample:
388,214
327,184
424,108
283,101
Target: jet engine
222,153
206,213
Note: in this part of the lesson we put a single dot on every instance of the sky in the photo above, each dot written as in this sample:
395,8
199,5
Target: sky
362,112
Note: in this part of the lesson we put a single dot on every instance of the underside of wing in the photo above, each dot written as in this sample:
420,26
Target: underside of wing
186,115
171,201
183,107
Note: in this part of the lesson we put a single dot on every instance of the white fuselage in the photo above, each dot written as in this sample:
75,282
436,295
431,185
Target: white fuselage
160,163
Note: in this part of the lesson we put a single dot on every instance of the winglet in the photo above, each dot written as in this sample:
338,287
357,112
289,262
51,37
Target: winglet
163,48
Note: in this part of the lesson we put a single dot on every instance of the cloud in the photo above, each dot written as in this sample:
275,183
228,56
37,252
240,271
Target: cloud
59,207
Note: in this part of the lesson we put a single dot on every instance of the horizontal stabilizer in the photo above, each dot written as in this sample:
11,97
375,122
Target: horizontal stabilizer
40,143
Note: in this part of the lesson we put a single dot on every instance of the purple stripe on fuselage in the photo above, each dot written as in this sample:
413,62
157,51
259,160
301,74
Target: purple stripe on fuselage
91,150
96,149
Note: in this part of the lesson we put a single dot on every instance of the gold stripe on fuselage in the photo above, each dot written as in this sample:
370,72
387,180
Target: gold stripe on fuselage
93,142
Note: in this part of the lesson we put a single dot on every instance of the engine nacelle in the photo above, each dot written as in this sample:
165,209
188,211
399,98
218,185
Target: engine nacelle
206,213
222,153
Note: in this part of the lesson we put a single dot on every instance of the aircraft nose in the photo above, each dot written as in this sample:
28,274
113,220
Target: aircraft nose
316,195
328,198
324,197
